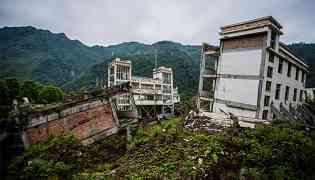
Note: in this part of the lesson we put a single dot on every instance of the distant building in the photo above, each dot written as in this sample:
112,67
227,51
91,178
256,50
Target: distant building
152,96
252,73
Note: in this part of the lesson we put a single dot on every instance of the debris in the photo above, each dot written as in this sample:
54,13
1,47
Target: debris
210,122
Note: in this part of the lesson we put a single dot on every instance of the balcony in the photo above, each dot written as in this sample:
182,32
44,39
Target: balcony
206,94
148,102
146,91
208,72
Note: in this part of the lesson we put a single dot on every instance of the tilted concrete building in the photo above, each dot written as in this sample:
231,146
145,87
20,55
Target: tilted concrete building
151,96
252,74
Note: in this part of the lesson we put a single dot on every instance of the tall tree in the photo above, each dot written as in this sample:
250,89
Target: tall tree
13,88
51,94
31,90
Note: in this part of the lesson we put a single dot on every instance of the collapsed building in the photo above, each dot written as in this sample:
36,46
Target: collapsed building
150,97
252,74
88,118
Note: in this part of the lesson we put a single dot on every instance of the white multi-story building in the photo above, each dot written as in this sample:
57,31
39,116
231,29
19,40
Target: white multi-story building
152,96
252,73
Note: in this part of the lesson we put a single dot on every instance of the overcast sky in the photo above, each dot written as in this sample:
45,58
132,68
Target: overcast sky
106,22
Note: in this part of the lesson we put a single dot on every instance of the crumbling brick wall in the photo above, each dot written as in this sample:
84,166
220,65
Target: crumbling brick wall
83,120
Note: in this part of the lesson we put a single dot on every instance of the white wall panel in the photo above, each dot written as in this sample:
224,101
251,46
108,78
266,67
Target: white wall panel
241,62
238,90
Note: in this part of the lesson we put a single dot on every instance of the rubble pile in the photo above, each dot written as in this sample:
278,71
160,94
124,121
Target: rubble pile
208,122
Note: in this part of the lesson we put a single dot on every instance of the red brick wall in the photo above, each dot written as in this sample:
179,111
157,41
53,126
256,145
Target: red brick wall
81,124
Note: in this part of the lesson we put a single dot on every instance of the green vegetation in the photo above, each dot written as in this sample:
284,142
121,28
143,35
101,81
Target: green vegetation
30,53
167,151
37,93
62,157
51,94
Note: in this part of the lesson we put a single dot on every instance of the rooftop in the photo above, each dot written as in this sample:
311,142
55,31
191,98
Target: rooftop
252,24
270,18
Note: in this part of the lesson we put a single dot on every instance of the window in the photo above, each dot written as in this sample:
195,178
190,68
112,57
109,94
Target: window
297,73
122,72
166,78
294,94
273,40
268,85
287,91
289,69
266,100
280,66
278,89
269,72
211,64
301,95
265,114
271,57
303,76
274,116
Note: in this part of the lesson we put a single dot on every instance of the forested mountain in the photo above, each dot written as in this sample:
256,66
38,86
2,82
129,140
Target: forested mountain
183,59
307,52
30,53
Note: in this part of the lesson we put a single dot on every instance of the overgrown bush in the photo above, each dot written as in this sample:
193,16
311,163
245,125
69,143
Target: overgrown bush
165,151
62,157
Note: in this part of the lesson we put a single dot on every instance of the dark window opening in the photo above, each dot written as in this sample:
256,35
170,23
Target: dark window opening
266,100
289,69
269,72
294,94
301,95
280,66
265,114
303,76
297,73
287,91
268,86
274,116
278,90
271,57
273,40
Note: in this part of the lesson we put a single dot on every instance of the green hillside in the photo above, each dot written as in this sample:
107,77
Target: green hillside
30,53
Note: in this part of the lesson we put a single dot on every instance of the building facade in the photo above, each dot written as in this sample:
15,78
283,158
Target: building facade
252,74
151,96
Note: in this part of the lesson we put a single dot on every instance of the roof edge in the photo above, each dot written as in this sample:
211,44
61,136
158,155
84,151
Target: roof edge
272,19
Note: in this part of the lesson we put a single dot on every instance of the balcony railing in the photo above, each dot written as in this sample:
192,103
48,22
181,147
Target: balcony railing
209,72
148,102
146,91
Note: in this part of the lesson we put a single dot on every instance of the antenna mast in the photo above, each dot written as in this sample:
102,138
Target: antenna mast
155,69
155,65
